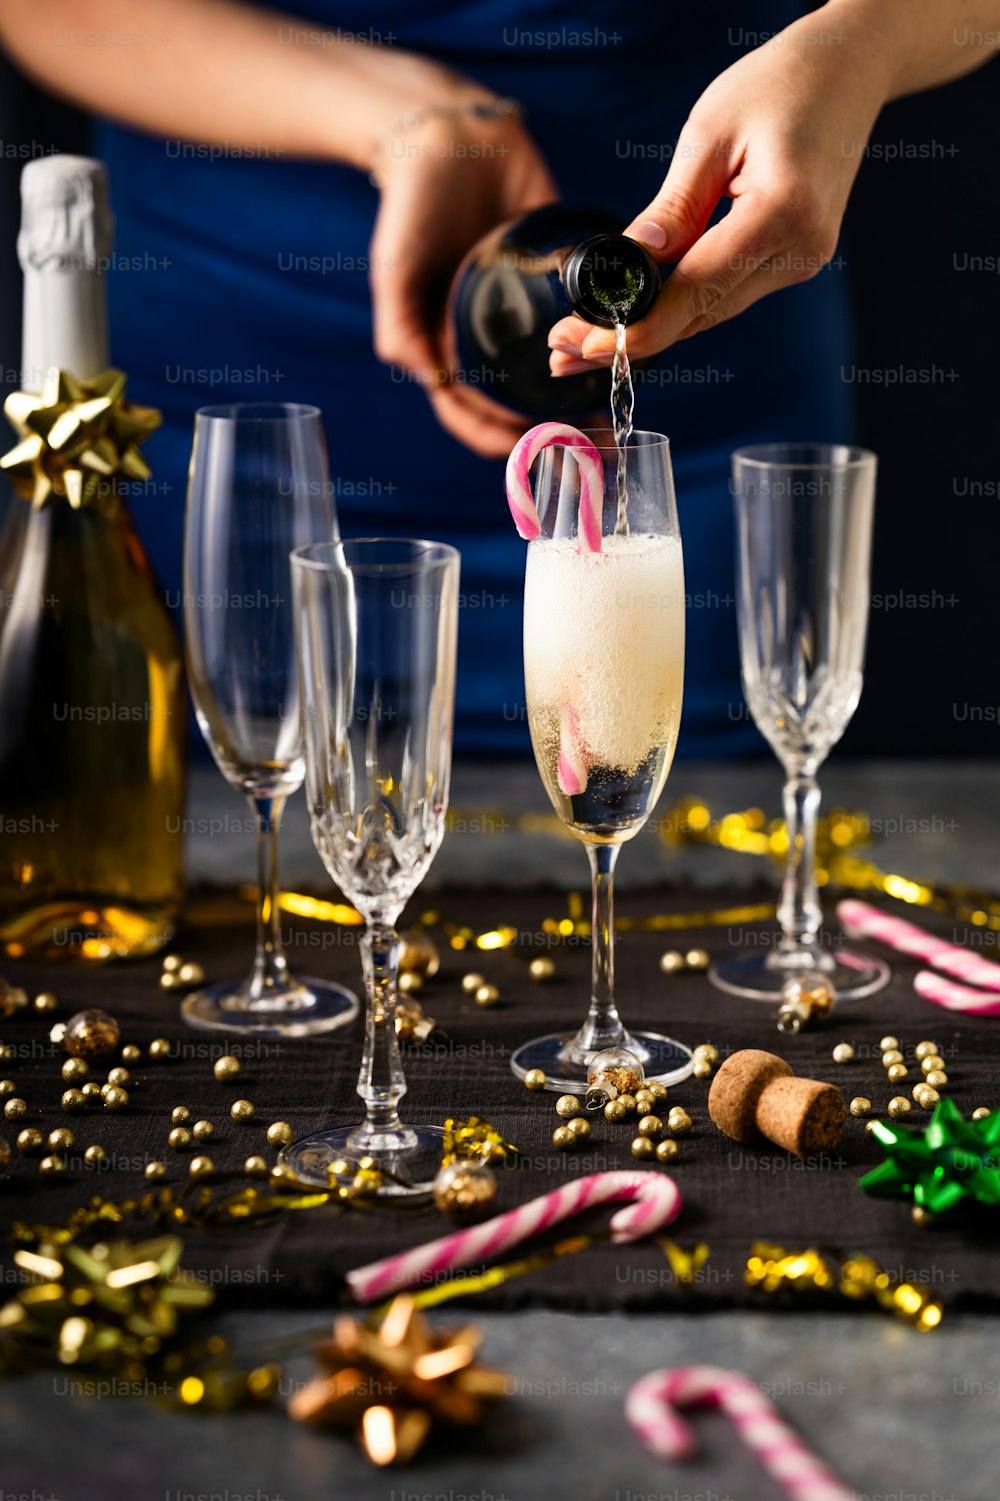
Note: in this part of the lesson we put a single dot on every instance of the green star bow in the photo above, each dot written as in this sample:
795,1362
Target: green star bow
940,1164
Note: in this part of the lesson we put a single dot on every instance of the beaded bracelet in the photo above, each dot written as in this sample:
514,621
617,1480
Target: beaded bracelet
485,110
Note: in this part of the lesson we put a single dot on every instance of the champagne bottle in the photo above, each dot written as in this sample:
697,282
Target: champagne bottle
92,707
520,280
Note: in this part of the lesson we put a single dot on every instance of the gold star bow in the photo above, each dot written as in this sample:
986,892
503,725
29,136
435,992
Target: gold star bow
392,1381
75,437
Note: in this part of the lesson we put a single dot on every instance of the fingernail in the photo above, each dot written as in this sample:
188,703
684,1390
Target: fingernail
597,353
650,234
564,346
573,367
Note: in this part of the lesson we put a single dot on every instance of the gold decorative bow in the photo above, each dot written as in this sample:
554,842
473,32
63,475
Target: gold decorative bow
75,437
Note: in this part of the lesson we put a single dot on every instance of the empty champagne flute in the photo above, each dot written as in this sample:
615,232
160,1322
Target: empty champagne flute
604,673
258,486
804,525
376,624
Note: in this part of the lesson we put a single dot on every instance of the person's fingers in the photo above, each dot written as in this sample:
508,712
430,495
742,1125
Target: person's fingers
700,171
488,431
752,236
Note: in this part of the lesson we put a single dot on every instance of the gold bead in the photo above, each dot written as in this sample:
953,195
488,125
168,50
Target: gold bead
180,1115
920,1216
535,1079
860,1105
887,1044
567,1106
90,1034
614,1110
930,1061
170,981
172,963
707,1050
897,1072
937,1078
925,1049
563,1138
203,1130
49,1167
702,1069
200,1167
657,1090
696,959
580,1127
255,1167
61,1140
74,1101
159,1049
843,1052
7,1088
155,1171
891,1056
114,1098
226,1069
869,1127
981,1112
487,995
191,974
541,969
644,1101
927,1098
899,1105
409,982
242,1110
121,1077
74,1070
30,1140
465,1189
667,1150
650,1125
92,1093
180,1139
282,1172
45,1001
642,1146
471,983
15,1109
280,1134
627,1102
671,963
131,1053
678,1122
6,1052
94,1156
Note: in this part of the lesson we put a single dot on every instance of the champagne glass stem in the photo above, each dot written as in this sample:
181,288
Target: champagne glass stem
381,1084
603,1027
799,912
270,968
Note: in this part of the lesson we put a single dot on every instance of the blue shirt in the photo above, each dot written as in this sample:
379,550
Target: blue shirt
245,277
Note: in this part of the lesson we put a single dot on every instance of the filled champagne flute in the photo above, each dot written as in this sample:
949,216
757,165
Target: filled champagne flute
804,516
377,623
604,671
258,486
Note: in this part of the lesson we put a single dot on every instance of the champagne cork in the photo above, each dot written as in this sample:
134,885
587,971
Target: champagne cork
756,1096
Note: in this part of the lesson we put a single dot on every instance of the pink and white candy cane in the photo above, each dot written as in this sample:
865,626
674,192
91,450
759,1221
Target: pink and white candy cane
906,938
655,1202
955,997
588,460
652,1409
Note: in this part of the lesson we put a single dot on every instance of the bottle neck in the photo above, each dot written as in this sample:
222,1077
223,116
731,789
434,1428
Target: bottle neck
610,279
65,323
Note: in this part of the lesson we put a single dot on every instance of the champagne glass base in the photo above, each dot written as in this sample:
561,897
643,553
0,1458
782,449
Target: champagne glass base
307,1007
412,1169
760,977
663,1059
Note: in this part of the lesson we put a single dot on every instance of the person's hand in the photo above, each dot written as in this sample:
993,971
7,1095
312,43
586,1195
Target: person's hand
444,185
781,132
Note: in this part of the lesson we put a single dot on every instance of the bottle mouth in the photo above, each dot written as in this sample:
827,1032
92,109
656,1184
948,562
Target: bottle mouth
611,279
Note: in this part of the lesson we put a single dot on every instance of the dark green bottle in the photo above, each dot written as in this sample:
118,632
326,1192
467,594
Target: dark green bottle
520,280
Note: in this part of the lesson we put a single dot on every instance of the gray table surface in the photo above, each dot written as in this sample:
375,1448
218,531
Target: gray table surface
901,1416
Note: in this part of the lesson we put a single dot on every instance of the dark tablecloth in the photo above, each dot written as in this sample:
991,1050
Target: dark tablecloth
732,1195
